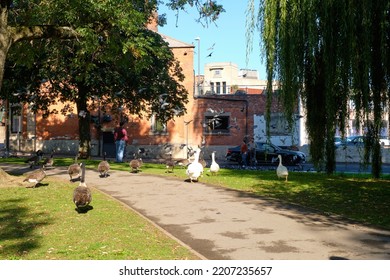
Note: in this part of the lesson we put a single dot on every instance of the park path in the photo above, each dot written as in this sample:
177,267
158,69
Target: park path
218,223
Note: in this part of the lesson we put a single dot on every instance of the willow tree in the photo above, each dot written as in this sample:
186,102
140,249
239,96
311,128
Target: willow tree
328,53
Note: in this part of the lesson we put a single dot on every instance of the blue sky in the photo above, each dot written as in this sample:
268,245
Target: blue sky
227,36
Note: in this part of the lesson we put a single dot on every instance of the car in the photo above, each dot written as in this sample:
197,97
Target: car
338,140
358,141
267,153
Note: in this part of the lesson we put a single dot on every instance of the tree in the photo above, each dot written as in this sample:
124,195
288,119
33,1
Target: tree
328,53
114,57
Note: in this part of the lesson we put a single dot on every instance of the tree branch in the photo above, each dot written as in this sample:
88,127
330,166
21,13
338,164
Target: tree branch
42,32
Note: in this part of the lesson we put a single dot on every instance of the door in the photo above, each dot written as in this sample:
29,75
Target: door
109,144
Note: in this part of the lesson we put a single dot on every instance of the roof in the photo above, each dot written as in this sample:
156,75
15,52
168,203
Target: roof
173,43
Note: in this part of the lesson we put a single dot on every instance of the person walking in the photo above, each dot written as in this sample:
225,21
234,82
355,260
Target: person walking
120,137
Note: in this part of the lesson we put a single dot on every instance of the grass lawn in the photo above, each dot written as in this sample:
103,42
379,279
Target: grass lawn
39,225
43,224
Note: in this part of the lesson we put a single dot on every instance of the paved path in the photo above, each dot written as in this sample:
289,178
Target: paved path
224,224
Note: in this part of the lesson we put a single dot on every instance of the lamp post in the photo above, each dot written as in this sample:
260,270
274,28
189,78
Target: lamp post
186,123
198,83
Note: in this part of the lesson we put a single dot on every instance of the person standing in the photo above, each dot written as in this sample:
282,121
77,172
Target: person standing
244,153
252,152
120,137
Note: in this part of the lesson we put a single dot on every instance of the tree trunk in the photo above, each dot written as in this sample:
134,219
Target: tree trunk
84,118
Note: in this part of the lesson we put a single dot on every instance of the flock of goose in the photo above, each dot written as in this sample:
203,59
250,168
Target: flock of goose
82,196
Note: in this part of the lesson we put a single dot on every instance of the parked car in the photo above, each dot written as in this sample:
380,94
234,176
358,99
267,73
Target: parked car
267,153
358,141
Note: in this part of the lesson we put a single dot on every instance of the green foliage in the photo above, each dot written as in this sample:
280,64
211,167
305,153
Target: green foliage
113,59
209,10
327,53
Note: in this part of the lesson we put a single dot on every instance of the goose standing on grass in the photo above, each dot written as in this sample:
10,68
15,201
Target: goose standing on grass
35,177
104,167
49,162
34,160
183,162
74,170
170,164
195,168
281,170
214,167
82,196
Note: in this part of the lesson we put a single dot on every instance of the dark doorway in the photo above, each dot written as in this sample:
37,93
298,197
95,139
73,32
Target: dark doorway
109,144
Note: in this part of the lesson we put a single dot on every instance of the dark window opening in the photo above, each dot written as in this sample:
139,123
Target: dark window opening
217,124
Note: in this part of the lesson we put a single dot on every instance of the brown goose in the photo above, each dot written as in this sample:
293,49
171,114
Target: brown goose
135,165
82,196
35,177
170,164
35,159
49,162
104,167
74,170
183,162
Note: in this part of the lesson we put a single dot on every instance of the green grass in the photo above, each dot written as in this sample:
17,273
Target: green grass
38,225
43,224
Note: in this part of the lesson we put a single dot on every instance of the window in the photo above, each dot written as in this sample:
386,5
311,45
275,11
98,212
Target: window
212,87
217,73
218,88
224,87
157,126
15,119
216,124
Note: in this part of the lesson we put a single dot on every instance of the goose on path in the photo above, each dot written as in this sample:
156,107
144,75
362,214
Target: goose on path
195,168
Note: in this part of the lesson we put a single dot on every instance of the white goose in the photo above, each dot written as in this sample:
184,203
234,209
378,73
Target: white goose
214,167
195,169
281,171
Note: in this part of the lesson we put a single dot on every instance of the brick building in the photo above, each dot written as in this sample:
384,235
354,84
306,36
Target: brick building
214,120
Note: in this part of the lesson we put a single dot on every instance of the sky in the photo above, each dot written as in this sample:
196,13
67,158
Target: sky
225,41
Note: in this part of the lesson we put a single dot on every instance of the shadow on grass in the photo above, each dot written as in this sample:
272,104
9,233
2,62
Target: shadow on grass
83,210
18,228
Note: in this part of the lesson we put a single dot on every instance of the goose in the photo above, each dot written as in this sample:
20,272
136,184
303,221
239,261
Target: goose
36,177
203,162
170,164
214,167
281,170
195,168
34,160
183,162
135,164
82,196
49,162
104,167
74,170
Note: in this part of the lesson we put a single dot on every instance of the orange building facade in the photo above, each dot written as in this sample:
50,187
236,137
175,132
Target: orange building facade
213,122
